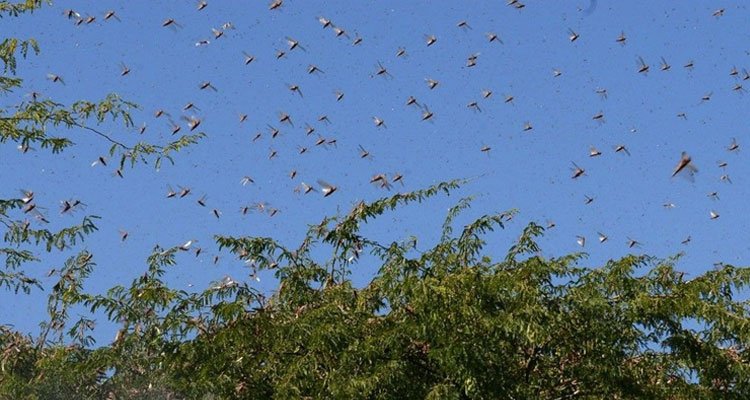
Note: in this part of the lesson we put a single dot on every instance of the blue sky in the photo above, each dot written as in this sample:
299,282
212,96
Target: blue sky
525,170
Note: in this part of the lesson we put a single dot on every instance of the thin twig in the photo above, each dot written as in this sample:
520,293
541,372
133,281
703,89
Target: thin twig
98,132
69,123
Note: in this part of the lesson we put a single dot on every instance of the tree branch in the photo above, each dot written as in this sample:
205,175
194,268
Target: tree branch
100,133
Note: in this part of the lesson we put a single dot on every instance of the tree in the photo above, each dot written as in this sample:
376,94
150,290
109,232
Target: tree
446,322
29,124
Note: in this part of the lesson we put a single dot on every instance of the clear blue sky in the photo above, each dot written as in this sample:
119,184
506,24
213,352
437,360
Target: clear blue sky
527,170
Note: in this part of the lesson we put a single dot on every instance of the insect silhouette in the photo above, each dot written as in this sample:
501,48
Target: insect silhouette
685,164
733,146
171,192
193,122
124,70
706,97
170,22
294,88
273,131
426,113
175,128
363,153
621,39
313,69
664,65
275,4
578,171
602,237
72,14
304,188
190,106
326,188
620,148
294,44
55,78
207,85
382,71
412,101
492,37
379,122
573,35
184,191
325,22
633,243
339,31
100,161
581,240
397,177
70,206
381,180
248,57
642,66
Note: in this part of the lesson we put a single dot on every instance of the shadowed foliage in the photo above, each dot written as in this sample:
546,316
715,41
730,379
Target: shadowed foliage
448,322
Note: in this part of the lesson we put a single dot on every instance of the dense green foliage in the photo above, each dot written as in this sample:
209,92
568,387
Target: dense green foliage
449,322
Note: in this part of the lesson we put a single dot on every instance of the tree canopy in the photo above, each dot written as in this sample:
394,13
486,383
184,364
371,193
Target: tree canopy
448,322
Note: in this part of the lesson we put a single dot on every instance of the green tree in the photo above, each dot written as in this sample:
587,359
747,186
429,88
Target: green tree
30,123
448,322
43,123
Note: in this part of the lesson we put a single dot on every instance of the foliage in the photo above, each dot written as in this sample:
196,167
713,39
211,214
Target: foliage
46,123
448,322
29,122
14,9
